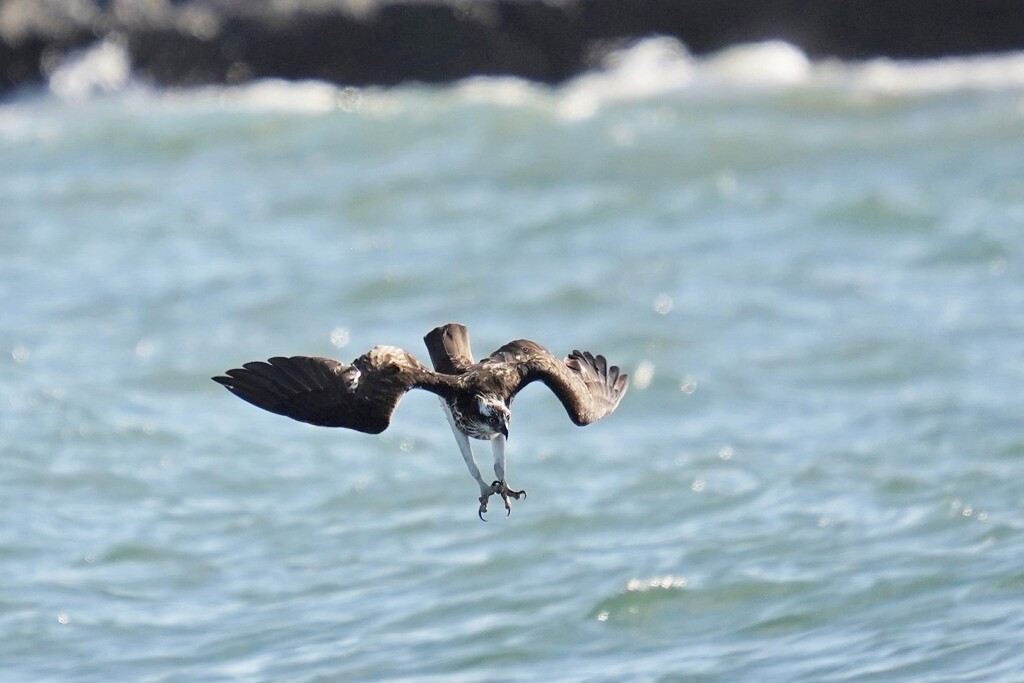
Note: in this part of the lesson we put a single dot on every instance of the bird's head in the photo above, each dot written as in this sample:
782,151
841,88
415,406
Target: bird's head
495,413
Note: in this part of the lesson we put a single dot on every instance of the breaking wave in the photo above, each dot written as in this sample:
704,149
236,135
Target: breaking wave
651,68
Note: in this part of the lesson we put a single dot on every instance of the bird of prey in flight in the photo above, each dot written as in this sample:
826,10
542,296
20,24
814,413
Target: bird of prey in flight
475,395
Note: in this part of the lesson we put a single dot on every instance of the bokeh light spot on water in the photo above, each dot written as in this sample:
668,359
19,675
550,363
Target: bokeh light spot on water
726,183
20,353
339,337
144,349
688,385
961,509
63,618
643,375
656,583
663,304
726,452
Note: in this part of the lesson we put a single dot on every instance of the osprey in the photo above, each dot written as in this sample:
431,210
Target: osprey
475,396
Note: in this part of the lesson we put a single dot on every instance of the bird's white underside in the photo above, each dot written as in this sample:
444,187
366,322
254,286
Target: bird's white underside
497,450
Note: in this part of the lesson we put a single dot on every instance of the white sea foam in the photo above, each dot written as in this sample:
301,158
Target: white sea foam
767,64
659,66
662,67
992,72
508,91
312,97
103,68
649,69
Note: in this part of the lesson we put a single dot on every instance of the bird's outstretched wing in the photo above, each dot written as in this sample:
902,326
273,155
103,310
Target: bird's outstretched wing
326,392
586,385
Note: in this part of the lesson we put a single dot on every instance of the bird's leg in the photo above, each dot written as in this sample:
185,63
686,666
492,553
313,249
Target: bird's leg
467,455
499,486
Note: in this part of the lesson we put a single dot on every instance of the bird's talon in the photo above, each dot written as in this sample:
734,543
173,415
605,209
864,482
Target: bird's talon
502,489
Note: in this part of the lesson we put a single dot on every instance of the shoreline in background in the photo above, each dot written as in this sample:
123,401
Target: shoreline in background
208,42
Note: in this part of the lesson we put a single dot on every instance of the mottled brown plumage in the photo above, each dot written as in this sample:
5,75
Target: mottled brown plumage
363,396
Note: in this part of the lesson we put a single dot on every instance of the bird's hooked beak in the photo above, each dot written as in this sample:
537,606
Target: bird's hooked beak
503,427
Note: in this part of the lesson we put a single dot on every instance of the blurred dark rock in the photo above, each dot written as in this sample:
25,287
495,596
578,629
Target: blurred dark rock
359,42
427,42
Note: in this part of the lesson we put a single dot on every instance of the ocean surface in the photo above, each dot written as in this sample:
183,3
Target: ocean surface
812,271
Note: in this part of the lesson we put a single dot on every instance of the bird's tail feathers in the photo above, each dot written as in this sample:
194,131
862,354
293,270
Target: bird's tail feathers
449,348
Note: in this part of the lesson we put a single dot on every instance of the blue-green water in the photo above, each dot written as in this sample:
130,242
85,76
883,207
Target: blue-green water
813,272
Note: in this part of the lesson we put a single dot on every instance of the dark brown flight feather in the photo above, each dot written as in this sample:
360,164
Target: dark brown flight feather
328,393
